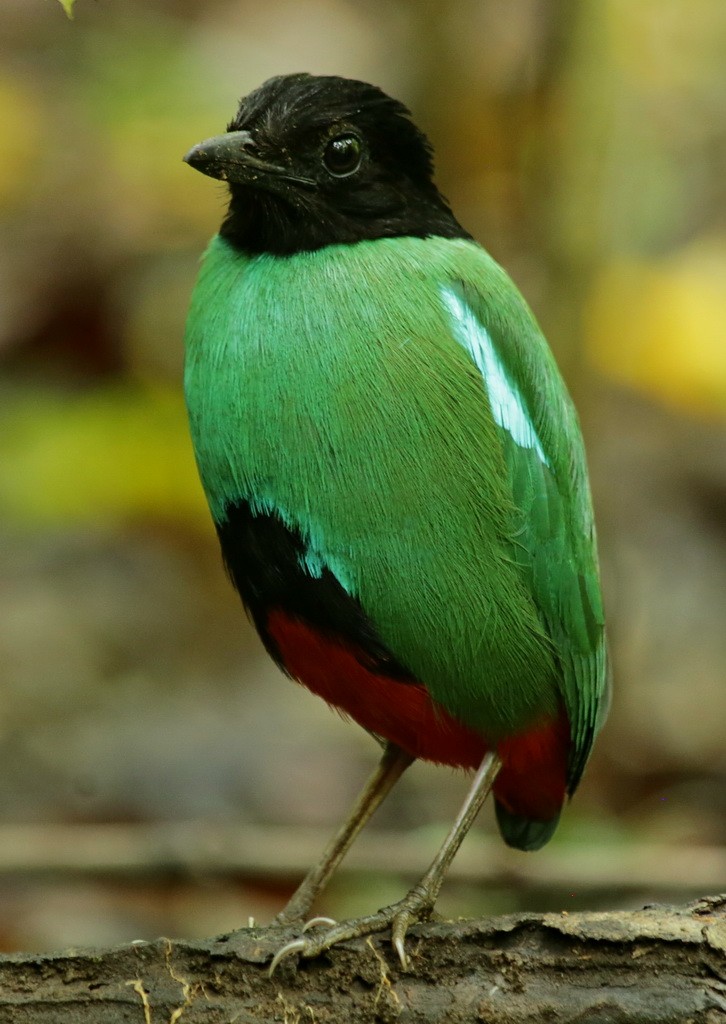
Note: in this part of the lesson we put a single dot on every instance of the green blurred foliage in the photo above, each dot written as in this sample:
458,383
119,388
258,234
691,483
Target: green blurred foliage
114,453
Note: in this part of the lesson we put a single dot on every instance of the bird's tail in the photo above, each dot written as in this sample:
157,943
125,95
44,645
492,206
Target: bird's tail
532,784
524,833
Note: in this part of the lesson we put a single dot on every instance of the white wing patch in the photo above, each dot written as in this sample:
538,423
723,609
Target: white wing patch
504,397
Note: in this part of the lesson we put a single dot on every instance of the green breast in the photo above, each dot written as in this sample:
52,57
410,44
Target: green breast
326,387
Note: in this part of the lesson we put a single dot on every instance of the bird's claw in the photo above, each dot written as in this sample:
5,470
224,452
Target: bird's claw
315,922
296,946
299,945
397,917
398,937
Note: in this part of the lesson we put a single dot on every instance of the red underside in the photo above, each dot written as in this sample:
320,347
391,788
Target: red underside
532,781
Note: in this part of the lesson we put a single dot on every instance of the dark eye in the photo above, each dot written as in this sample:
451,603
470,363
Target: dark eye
342,155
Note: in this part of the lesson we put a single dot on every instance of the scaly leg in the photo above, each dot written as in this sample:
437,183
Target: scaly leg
391,767
419,902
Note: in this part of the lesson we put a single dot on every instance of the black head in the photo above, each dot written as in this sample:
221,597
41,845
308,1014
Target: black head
312,161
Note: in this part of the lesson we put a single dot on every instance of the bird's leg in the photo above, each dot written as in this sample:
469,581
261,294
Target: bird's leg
390,768
419,902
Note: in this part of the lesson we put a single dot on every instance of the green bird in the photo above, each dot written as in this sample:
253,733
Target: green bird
394,468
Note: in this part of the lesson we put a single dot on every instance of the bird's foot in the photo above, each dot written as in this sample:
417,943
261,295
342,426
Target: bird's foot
415,906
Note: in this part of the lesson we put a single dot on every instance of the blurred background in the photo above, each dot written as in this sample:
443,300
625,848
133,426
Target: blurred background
157,774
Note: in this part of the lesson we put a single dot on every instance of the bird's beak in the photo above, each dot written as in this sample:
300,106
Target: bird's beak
233,157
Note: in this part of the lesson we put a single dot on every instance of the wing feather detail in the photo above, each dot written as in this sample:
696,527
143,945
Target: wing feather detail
555,540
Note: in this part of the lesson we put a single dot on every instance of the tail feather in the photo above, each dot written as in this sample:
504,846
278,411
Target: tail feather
532,785
524,833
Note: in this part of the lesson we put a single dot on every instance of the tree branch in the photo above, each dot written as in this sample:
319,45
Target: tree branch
660,964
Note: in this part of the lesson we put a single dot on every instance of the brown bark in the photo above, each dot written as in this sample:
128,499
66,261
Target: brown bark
661,964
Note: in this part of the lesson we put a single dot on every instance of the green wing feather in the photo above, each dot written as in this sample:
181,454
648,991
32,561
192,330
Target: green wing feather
556,543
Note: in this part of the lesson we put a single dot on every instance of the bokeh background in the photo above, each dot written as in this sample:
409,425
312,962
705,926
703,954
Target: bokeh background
157,775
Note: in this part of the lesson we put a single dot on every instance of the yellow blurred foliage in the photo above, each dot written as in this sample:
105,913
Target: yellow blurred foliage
22,117
105,456
667,45
661,327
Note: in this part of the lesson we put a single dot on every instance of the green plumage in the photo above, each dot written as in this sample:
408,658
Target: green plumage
333,388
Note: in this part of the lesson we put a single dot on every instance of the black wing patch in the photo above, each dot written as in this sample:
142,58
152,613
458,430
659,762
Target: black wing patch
265,560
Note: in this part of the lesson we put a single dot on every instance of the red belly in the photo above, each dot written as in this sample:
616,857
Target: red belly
532,781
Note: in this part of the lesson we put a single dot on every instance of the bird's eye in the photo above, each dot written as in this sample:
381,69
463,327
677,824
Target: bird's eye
342,155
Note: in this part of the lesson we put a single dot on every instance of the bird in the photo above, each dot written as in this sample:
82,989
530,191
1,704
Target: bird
395,471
